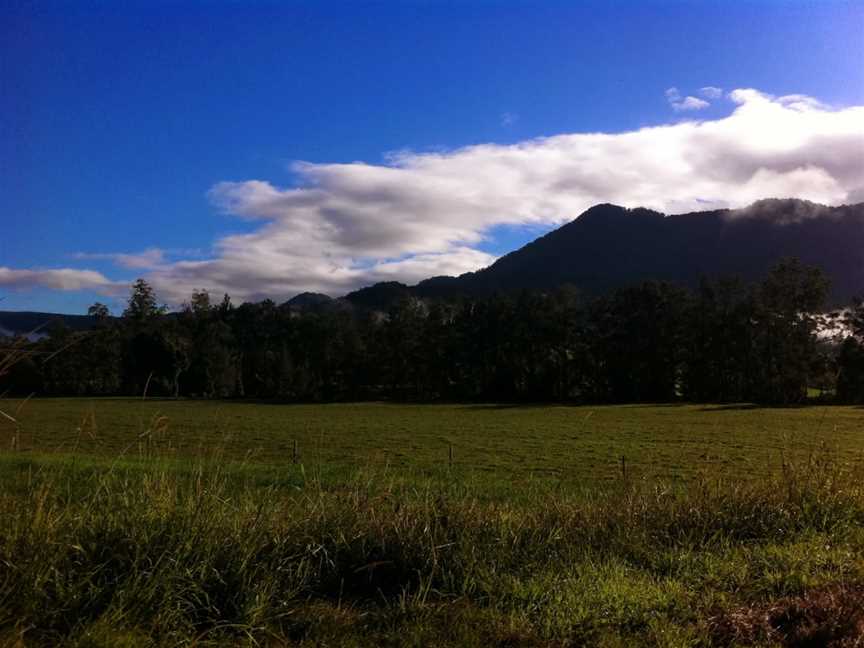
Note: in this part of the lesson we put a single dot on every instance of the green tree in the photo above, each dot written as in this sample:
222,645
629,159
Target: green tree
142,304
717,333
850,360
99,311
855,318
200,302
786,308
639,343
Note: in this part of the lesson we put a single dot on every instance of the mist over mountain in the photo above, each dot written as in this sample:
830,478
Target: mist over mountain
609,246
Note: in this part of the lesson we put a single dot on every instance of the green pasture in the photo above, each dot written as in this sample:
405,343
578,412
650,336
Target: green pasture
190,523
581,446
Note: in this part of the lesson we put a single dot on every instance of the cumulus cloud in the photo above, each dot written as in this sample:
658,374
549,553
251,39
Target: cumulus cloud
342,226
59,279
711,92
679,103
691,103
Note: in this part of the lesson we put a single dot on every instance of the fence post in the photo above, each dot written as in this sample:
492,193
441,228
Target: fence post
450,456
294,454
623,468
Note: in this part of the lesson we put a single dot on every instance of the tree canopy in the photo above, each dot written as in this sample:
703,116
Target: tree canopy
650,342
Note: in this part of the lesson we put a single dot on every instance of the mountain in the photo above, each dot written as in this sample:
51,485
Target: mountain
311,302
35,325
609,246
379,296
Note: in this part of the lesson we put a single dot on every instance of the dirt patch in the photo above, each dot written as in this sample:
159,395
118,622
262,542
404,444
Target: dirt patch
830,617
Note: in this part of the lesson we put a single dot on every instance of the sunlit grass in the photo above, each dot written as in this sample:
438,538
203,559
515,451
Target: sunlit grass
97,555
129,530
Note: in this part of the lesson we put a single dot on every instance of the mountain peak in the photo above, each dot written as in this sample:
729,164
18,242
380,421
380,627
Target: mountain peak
609,246
309,301
609,214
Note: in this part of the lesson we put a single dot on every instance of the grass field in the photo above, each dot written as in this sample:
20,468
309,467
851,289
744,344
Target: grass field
166,523
574,445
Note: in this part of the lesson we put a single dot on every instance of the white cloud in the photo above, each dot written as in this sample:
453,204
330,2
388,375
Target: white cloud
711,92
59,279
802,102
343,226
679,103
691,103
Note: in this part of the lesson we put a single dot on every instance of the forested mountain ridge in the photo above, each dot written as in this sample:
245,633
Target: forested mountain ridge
36,324
610,246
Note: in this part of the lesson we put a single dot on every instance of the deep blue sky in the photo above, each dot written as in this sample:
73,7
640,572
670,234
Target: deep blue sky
116,118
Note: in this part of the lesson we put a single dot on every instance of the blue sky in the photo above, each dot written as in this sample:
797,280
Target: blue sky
169,133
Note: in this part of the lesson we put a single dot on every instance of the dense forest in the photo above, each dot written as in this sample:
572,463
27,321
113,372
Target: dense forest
727,341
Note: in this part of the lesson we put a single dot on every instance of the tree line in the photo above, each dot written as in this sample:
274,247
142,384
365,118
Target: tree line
725,341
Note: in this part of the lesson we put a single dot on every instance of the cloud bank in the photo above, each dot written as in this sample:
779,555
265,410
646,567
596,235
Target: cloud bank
424,214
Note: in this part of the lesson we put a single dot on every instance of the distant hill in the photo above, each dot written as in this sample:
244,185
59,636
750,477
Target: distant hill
35,325
380,296
309,301
610,246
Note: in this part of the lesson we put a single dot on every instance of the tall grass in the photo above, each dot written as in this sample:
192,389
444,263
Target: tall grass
100,557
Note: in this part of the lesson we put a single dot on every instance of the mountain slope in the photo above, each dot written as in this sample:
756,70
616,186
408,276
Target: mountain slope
34,324
609,246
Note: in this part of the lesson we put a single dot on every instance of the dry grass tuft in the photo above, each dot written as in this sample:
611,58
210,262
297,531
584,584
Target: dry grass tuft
830,617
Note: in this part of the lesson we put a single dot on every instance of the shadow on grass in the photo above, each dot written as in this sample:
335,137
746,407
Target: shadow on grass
514,406
652,405
731,407
542,405
755,406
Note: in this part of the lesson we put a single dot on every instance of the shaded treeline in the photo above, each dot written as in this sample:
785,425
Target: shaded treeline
653,342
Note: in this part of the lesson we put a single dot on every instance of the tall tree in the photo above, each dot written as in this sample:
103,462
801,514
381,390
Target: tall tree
99,311
640,342
142,304
717,327
850,360
786,312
